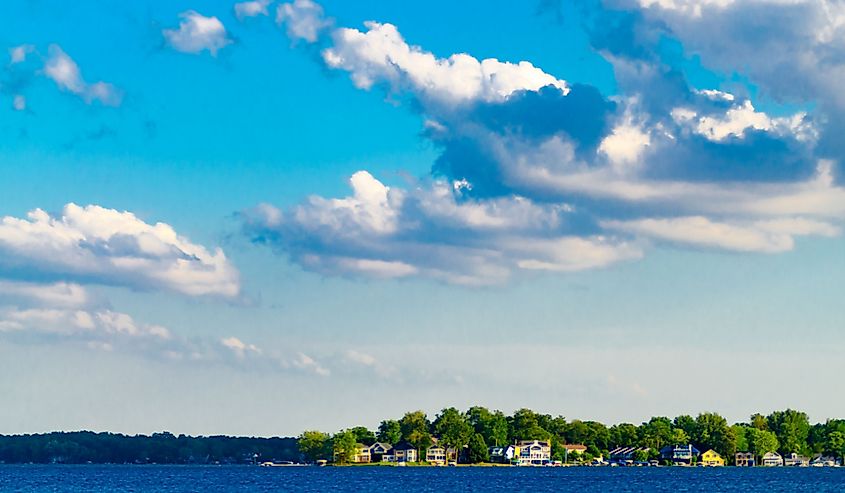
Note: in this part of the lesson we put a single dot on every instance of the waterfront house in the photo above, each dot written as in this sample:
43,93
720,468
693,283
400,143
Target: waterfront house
502,455
362,454
712,458
772,459
379,452
625,455
744,459
821,461
795,460
440,455
533,453
574,448
405,452
679,454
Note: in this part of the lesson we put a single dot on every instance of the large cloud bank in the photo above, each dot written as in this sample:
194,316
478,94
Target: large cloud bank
539,174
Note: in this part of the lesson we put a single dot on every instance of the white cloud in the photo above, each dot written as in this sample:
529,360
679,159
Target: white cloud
586,186
304,19
18,54
19,102
197,33
307,364
104,245
79,324
741,118
381,55
772,236
66,74
252,8
60,294
238,347
431,233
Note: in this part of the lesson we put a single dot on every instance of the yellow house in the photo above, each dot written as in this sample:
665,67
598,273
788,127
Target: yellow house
711,458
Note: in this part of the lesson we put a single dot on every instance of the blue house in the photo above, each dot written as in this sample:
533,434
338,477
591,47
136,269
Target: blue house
679,454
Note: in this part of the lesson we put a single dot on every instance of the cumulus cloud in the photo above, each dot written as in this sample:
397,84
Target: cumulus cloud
381,55
64,71
95,244
537,174
197,33
304,19
252,8
431,232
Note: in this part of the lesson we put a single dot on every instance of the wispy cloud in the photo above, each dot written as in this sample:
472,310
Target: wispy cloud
66,74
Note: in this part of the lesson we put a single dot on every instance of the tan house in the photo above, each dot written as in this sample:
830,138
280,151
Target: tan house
362,454
744,459
438,454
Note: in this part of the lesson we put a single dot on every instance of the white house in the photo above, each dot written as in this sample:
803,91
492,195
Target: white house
534,453
772,459
795,460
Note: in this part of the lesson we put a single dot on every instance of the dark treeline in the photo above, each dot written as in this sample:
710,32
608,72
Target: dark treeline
83,447
478,428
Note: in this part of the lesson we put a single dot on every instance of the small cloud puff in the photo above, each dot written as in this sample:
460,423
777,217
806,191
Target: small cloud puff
197,33
252,8
304,19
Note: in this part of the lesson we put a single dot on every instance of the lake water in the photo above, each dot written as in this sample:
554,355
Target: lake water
177,479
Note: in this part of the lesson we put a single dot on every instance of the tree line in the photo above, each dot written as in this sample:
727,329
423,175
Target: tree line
159,448
478,428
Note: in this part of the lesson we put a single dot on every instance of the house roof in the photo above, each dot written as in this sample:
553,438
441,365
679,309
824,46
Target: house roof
385,446
574,446
404,446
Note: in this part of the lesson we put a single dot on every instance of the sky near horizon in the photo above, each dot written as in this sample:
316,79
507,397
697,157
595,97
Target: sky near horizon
261,217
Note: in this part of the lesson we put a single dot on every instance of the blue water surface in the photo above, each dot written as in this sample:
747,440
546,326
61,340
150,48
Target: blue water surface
177,479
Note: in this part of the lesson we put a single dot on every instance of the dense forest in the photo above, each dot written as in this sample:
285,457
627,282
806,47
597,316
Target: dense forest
83,447
478,428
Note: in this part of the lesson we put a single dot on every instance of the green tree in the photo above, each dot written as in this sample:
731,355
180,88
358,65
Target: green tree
741,436
452,429
761,441
623,435
477,450
363,435
685,423
525,425
679,437
791,428
713,432
314,445
389,431
759,421
835,443
344,446
657,433
414,426
493,426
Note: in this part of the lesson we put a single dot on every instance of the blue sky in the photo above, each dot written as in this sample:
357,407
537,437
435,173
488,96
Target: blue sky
260,217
